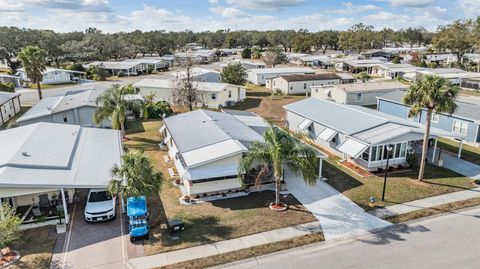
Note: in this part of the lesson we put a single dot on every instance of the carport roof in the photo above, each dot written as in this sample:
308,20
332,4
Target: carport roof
50,155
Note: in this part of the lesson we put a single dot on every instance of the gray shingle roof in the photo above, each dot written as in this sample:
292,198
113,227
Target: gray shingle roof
465,109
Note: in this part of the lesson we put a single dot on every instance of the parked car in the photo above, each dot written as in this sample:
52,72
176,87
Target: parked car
100,206
137,218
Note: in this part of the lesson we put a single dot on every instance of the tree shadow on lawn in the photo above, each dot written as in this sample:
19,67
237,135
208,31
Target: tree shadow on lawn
339,179
258,200
393,234
431,172
258,93
246,104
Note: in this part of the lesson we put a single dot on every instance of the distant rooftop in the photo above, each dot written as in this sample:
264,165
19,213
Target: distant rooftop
368,86
466,109
309,77
282,70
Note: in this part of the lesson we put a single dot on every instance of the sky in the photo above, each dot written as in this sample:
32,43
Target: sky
202,15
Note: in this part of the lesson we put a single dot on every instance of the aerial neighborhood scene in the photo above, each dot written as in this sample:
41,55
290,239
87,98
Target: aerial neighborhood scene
239,134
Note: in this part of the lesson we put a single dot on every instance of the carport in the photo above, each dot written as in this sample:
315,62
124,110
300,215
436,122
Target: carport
42,159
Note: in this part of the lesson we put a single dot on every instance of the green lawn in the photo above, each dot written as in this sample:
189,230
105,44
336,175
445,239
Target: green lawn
36,247
469,153
401,187
206,222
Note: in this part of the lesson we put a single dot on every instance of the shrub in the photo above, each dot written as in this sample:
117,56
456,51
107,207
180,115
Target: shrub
412,160
75,67
246,53
150,69
120,74
156,110
9,226
7,87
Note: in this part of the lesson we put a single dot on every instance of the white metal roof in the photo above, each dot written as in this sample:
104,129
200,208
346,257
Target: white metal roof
170,84
352,147
213,152
50,155
7,96
68,101
282,70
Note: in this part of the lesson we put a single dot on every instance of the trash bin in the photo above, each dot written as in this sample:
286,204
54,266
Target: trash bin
175,226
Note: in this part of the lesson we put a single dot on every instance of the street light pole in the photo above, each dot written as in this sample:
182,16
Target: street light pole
388,149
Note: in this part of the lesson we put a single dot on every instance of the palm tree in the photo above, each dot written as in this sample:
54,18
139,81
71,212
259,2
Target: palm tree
135,177
281,150
111,104
435,94
34,64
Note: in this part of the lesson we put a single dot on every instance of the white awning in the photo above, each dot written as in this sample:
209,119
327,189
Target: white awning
304,124
352,147
162,129
327,134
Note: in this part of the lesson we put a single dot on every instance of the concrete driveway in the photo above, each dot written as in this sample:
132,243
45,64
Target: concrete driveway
457,165
94,245
338,215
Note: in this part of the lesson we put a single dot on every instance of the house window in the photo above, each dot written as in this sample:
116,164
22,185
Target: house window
65,119
291,87
214,96
358,96
304,86
366,155
229,94
460,127
377,153
435,118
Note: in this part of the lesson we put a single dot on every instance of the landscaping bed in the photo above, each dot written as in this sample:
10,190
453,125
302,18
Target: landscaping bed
209,221
36,248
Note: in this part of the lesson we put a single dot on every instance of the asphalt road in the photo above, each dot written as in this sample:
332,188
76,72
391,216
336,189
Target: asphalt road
449,241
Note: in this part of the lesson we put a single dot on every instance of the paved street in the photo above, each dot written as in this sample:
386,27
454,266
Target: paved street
338,216
449,241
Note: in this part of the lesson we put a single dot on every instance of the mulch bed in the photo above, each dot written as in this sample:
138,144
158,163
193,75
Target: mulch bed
355,168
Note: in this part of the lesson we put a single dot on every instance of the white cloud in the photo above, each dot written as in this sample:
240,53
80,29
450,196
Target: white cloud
350,8
411,3
227,12
471,8
213,2
265,4
11,6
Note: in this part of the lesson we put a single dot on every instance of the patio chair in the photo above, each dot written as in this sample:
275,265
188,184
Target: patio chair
44,203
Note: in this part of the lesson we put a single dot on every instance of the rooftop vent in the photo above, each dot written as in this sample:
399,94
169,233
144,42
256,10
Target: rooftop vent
25,154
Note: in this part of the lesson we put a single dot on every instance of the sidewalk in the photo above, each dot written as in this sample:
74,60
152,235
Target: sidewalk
434,201
172,257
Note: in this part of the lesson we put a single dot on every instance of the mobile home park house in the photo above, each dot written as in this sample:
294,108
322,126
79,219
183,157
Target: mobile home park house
355,133
74,107
212,95
209,163
9,106
54,76
454,75
246,64
16,80
127,68
42,164
198,74
297,84
391,70
364,94
260,76
464,123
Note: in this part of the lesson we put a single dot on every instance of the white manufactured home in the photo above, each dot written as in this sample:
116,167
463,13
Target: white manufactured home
42,164
55,76
261,75
364,94
9,106
74,107
300,84
210,94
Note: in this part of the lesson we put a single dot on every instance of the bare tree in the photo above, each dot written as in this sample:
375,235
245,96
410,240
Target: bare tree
185,92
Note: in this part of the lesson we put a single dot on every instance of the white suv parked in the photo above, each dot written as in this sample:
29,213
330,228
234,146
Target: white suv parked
100,206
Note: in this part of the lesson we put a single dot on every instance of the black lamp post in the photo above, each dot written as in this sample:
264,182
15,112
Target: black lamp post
388,149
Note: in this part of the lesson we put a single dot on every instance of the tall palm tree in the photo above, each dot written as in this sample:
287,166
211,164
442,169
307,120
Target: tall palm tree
435,94
111,104
34,64
281,150
135,177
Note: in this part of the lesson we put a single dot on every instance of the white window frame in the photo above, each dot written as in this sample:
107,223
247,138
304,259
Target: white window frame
435,118
463,125
214,96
